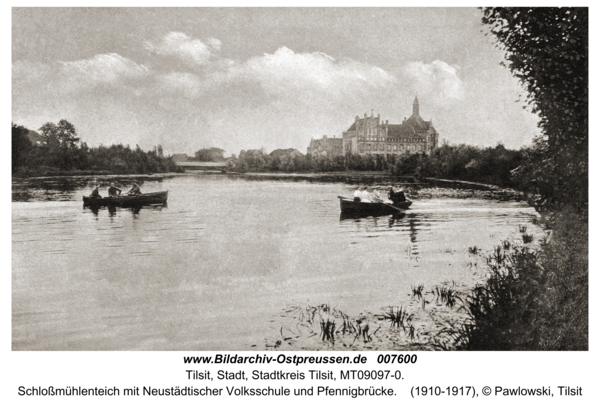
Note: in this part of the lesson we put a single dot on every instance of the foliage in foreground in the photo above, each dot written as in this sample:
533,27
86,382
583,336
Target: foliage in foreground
547,50
503,312
533,299
538,300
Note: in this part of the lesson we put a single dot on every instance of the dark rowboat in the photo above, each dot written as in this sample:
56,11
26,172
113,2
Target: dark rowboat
350,206
128,201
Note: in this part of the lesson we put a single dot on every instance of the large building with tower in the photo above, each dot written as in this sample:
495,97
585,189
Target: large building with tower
370,135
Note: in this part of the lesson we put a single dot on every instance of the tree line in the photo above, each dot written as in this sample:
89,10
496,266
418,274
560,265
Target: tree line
459,162
61,150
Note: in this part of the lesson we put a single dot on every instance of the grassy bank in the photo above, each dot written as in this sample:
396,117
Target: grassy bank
533,299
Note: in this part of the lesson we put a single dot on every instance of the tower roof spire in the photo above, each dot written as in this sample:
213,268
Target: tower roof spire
416,106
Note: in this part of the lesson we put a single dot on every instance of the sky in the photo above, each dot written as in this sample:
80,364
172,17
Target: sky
239,79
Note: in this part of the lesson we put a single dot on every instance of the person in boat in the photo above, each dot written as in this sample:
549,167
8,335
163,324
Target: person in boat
95,193
391,193
365,196
375,197
114,191
135,190
397,197
357,194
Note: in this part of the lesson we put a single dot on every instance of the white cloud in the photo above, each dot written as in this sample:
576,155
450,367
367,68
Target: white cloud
285,72
187,49
188,84
105,68
437,80
81,75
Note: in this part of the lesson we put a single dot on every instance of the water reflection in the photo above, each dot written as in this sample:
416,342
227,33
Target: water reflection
135,210
356,216
68,188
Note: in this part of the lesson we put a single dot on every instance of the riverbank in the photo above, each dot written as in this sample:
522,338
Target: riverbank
427,189
62,188
429,317
48,172
438,192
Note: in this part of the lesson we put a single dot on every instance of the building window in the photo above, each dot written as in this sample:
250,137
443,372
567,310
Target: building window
394,147
368,147
381,147
389,147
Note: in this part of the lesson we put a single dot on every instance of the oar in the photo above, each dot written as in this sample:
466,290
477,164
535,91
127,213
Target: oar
389,205
393,207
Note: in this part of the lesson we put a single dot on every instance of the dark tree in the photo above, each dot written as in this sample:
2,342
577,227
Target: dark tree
209,155
547,50
21,146
60,141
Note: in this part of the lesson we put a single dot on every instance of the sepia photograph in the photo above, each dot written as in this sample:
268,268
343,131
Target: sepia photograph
299,179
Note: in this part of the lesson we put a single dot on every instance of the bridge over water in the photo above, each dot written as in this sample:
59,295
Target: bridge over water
202,166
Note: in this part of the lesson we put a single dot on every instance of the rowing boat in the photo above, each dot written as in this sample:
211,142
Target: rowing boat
350,206
128,201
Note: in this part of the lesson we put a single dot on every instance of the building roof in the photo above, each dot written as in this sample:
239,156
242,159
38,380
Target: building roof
328,140
179,157
410,127
416,122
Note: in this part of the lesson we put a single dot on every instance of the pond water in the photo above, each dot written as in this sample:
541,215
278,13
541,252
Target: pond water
214,269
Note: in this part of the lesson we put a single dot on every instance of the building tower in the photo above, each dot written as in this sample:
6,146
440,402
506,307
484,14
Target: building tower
416,107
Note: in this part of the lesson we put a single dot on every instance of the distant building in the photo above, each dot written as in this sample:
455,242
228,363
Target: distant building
370,135
326,147
179,157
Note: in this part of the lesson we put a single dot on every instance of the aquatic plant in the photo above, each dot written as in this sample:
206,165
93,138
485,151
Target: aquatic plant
362,331
522,228
346,327
399,318
328,329
446,295
417,291
527,238
451,297
473,250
